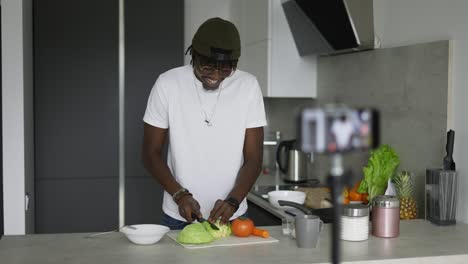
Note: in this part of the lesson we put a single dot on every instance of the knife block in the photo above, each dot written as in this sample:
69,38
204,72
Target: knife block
441,196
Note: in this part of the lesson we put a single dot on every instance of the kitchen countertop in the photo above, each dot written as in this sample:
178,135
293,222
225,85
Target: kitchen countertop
419,242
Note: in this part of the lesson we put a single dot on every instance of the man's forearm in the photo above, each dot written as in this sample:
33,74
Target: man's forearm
253,157
248,174
158,168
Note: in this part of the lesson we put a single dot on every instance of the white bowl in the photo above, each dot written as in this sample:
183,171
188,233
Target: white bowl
291,196
145,234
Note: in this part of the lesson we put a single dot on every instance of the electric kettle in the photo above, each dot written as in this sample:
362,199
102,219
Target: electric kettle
291,161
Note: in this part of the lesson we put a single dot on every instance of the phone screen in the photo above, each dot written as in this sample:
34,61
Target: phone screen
338,130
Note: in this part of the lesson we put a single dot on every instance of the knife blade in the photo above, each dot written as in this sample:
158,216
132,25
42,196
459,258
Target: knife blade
449,164
201,220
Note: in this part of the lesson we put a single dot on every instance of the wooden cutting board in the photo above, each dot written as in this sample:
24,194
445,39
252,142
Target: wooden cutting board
226,242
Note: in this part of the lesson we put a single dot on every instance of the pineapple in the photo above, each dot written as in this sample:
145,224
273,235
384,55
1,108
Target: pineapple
404,189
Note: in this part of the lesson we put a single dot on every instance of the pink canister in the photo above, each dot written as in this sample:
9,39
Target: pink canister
385,216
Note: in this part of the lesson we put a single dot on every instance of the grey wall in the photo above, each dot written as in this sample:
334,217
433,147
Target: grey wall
402,22
409,86
280,114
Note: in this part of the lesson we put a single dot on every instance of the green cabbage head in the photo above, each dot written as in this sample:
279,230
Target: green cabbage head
224,230
194,234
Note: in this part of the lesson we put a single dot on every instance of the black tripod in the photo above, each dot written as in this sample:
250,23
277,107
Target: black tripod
335,180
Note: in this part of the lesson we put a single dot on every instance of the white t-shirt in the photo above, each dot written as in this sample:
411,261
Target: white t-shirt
205,159
343,131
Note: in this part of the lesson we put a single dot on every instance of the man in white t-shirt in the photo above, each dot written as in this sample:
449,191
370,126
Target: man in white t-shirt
212,115
342,130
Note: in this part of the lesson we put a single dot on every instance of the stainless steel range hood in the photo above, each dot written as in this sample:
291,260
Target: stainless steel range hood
330,26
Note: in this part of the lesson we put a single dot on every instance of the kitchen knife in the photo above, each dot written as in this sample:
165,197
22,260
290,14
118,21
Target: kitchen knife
449,164
201,220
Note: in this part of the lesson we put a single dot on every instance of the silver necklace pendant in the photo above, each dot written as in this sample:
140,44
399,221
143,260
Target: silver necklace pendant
208,123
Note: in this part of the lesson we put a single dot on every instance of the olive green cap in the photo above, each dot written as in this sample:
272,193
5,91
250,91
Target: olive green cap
218,39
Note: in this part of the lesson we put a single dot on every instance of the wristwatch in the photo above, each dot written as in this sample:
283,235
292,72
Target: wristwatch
179,194
233,202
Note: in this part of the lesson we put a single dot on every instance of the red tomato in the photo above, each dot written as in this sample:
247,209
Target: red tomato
242,227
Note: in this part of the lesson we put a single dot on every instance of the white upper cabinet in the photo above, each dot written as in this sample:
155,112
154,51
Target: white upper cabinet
269,51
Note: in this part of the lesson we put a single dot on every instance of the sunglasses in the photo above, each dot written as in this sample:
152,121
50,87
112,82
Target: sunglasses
224,69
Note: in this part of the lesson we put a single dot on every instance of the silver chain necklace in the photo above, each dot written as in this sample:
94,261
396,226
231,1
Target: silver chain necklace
208,119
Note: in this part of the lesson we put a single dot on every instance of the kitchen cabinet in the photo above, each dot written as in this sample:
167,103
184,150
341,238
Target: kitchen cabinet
269,51
154,43
260,216
76,115
76,105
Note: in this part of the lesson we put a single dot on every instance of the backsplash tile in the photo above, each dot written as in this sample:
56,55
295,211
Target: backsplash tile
281,113
409,86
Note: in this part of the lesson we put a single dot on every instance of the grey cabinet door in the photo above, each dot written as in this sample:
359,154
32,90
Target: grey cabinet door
76,108
76,115
154,43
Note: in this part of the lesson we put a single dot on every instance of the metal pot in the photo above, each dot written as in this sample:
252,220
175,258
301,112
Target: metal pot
295,166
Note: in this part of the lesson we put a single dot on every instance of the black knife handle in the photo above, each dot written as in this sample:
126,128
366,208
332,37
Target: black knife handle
201,220
195,217
450,140
449,164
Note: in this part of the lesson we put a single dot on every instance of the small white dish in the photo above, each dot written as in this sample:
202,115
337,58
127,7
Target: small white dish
145,234
291,196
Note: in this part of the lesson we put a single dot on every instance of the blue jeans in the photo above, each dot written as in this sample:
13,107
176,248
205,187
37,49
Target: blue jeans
175,224
172,223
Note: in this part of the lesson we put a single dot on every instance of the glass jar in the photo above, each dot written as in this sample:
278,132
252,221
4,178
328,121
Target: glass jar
386,216
355,222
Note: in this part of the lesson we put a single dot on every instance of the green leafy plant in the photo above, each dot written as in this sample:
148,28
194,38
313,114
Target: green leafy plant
381,166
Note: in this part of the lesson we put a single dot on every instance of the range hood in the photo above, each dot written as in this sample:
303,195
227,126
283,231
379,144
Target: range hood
330,26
